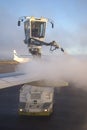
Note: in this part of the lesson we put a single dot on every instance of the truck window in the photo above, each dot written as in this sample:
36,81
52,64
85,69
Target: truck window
38,29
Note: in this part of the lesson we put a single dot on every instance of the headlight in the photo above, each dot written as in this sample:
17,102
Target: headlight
45,110
20,109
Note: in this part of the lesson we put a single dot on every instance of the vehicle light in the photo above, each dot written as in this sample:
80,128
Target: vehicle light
21,110
45,110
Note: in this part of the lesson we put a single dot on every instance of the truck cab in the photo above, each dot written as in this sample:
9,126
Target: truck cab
34,28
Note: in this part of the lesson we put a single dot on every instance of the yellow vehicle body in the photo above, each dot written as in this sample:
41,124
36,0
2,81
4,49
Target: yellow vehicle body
36,101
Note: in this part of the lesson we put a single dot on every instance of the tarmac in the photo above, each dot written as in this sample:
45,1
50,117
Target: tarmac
70,109
8,66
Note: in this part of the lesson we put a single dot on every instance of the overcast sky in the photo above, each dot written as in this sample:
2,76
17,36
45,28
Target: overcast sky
69,16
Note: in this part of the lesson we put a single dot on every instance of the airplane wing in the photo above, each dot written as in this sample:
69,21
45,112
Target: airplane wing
13,79
16,78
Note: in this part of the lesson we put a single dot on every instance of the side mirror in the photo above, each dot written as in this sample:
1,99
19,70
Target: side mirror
52,25
18,23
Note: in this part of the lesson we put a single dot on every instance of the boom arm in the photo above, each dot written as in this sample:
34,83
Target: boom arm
53,45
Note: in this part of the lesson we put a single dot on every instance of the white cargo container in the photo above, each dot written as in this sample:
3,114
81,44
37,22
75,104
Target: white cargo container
36,101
